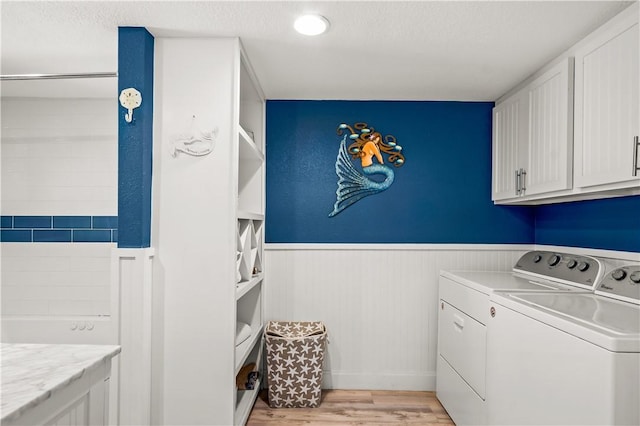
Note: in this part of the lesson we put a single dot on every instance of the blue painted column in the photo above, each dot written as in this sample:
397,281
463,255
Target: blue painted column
135,139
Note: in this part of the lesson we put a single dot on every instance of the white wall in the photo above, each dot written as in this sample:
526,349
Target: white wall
379,304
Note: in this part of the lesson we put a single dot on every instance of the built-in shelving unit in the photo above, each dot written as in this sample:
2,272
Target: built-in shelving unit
250,235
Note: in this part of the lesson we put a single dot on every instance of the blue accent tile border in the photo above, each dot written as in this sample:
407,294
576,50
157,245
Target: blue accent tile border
51,236
59,229
7,222
92,236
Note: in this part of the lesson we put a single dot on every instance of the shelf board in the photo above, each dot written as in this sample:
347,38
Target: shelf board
244,403
244,349
248,148
244,287
243,214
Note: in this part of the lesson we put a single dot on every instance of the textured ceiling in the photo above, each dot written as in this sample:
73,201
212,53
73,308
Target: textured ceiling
427,50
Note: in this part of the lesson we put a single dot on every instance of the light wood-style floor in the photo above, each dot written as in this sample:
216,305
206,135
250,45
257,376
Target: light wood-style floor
356,407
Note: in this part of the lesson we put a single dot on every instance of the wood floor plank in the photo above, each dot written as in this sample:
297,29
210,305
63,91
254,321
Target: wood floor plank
356,407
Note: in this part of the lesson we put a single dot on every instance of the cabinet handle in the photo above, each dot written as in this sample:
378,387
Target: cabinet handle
636,142
523,175
458,321
517,182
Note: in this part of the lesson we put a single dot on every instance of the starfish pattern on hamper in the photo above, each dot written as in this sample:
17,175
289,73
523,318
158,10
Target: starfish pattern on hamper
304,369
305,348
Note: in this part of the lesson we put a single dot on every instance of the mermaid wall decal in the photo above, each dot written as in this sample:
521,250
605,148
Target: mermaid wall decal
366,144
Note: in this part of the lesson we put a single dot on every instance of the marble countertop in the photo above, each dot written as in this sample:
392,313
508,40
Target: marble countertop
31,373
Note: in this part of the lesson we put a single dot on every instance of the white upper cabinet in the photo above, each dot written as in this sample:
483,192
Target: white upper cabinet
510,129
549,161
532,137
606,106
570,132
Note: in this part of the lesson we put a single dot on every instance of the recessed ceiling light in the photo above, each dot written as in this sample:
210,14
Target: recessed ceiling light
311,25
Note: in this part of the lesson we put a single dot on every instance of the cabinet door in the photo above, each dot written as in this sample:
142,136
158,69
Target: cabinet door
606,106
510,127
550,141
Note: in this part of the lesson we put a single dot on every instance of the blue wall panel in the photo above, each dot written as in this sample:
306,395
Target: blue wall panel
135,139
441,195
612,224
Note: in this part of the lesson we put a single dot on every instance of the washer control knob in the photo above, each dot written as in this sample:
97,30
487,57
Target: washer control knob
554,260
537,258
635,277
572,264
583,266
618,274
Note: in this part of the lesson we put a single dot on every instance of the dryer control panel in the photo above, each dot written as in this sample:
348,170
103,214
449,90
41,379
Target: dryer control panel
583,271
622,283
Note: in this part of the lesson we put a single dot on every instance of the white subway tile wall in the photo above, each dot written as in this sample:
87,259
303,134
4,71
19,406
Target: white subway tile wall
61,279
59,158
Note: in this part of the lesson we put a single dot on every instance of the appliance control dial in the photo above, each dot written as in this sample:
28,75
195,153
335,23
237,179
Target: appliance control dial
537,258
618,274
554,260
572,264
635,277
583,266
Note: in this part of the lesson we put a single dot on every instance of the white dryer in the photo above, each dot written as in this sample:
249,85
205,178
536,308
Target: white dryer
464,315
569,359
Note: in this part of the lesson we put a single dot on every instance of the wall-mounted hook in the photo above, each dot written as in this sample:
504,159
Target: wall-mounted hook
130,99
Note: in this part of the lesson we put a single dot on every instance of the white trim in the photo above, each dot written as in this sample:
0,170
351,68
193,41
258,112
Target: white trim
613,254
406,247
132,281
419,381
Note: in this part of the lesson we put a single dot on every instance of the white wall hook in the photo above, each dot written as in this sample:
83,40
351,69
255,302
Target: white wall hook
130,99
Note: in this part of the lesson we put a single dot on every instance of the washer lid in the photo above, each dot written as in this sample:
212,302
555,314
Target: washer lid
488,281
609,323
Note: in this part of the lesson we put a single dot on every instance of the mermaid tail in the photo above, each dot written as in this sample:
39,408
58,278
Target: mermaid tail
352,185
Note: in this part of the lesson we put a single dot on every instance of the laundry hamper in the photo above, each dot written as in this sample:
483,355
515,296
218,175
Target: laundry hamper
295,352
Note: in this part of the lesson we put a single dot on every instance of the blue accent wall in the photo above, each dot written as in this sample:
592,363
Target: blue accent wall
441,195
135,139
612,223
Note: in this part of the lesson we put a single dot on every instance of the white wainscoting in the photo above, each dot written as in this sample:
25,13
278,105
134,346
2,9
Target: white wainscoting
379,303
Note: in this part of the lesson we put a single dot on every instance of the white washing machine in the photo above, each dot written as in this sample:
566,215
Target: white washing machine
569,359
465,311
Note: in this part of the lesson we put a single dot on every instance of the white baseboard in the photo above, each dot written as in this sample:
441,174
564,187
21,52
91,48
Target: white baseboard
422,381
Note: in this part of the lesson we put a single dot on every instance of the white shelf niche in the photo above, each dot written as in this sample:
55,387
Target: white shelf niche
250,174
249,311
245,398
